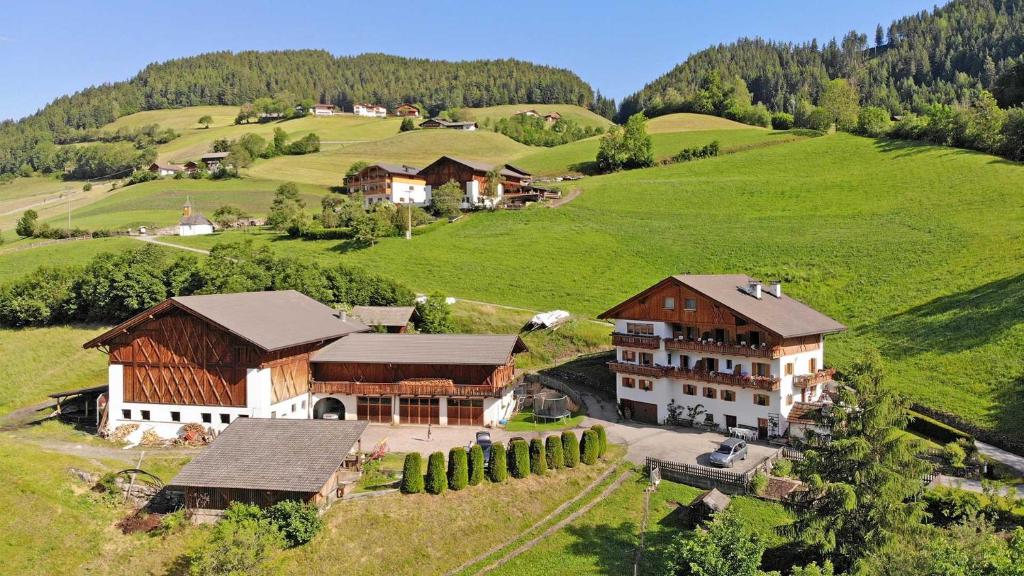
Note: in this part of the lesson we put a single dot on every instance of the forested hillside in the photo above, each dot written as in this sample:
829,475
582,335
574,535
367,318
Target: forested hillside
944,56
236,78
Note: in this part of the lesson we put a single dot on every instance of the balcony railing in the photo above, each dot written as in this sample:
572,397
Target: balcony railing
723,348
819,377
769,383
636,369
407,388
650,342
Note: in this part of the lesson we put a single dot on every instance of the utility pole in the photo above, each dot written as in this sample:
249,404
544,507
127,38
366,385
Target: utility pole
408,222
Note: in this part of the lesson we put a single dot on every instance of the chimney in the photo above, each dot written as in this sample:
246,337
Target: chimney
754,289
776,288
342,315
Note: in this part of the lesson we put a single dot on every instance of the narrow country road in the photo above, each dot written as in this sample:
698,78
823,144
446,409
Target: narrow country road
153,240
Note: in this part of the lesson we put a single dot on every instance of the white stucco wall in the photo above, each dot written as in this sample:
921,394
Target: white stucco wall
197,230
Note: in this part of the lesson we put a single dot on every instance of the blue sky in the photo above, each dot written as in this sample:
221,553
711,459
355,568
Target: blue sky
49,48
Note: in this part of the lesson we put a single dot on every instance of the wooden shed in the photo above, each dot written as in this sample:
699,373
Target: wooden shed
264,461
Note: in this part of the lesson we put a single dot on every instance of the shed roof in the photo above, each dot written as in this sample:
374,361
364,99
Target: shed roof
369,348
384,315
784,315
714,500
805,412
215,155
273,454
194,220
270,320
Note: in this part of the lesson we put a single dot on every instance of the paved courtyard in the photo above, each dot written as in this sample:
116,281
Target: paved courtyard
685,445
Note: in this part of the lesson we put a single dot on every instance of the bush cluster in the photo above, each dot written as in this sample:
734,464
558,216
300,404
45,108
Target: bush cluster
298,522
695,153
113,287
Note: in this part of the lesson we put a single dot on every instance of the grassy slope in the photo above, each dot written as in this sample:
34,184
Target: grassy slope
686,122
917,248
581,116
159,202
47,360
604,540
417,148
23,256
577,156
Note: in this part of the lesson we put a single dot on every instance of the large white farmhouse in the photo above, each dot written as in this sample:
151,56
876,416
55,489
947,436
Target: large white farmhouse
740,354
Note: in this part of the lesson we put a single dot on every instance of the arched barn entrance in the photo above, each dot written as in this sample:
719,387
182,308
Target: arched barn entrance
329,406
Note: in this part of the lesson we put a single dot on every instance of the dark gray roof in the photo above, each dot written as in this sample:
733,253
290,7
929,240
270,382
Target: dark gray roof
397,168
784,316
272,320
448,123
483,166
194,220
273,454
215,155
482,349
714,500
384,315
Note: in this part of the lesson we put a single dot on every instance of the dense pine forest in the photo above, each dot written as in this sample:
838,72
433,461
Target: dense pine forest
236,78
945,56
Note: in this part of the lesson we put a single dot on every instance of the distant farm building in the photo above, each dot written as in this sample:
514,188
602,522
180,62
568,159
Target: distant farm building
214,160
395,183
262,461
370,110
193,224
407,111
530,112
552,117
324,110
472,177
165,169
439,123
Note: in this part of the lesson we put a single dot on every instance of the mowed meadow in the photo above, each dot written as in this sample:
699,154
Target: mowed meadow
918,249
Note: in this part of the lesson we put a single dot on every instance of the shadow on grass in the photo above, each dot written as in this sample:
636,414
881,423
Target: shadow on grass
909,148
1008,409
588,167
956,322
611,547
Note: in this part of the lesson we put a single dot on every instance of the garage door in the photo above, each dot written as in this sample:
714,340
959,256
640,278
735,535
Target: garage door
373,408
419,410
465,412
641,411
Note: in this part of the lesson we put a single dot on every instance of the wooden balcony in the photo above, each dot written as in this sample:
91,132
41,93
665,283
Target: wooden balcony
770,352
819,377
636,341
636,369
768,383
408,388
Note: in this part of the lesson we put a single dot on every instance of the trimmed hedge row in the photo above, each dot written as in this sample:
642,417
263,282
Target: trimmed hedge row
932,428
520,460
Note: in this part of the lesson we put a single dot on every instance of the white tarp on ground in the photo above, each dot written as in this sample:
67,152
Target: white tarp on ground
549,319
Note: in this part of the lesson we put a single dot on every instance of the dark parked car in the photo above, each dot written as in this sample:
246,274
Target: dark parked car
484,440
729,451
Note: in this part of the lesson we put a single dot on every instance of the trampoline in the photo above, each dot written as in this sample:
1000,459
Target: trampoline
550,407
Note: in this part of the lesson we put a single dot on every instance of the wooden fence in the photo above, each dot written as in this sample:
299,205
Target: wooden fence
708,477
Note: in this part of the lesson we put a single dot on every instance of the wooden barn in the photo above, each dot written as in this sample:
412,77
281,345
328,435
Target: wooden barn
261,461
418,378
408,111
391,319
214,358
471,175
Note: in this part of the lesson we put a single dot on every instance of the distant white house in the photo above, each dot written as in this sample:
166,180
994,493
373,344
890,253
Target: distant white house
165,169
370,110
324,110
193,224
439,123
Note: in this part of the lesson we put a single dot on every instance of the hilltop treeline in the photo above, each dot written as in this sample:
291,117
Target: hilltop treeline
945,56
236,78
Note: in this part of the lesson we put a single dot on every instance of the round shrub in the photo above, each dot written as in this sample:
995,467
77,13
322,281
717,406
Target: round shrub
297,521
435,481
476,465
954,454
412,474
602,439
497,470
538,457
759,482
519,459
458,468
589,448
553,449
782,468
570,449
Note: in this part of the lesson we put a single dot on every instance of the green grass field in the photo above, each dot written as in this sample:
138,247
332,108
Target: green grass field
417,148
686,122
25,255
916,248
158,203
579,156
581,116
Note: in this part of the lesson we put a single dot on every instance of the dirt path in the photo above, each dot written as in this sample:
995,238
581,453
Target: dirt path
558,525
572,195
153,240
